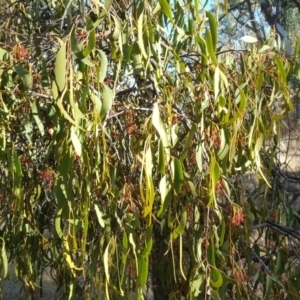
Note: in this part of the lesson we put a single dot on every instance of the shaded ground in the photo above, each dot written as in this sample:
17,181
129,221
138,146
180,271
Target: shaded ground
12,288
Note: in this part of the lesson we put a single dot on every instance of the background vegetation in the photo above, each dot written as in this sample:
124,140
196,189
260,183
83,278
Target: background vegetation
126,128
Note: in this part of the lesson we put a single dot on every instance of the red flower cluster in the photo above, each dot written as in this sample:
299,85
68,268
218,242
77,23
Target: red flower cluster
238,216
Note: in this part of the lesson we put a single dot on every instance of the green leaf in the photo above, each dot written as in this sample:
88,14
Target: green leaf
4,54
141,29
166,8
177,174
143,269
216,278
106,261
57,224
36,114
91,43
87,62
217,83
149,241
214,295
76,48
25,76
160,127
199,155
179,229
281,70
161,158
76,142
106,8
268,287
213,25
214,172
60,67
103,67
149,198
210,48
4,259
99,216
165,189
107,101
17,167
224,147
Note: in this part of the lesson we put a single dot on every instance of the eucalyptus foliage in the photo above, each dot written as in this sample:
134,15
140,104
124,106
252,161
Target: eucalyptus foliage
125,130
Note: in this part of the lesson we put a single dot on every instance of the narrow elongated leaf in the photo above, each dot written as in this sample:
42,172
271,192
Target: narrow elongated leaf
4,259
76,48
177,174
165,189
103,67
281,70
99,216
268,288
149,198
141,30
179,229
149,241
217,83
91,43
107,101
106,8
76,142
166,8
36,115
60,67
213,25
160,127
210,47
161,158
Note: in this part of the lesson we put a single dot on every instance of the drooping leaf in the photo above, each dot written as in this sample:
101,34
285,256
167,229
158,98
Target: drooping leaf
166,8
60,66
213,25
177,174
76,142
107,101
103,67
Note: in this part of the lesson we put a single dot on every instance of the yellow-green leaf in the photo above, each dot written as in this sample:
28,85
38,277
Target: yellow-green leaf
107,101
76,142
166,8
60,67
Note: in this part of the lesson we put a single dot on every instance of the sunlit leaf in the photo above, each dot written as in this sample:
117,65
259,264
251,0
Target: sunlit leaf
249,39
166,8
213,25
165,189
76,142
107,101
160,127
104,65
60,67
91,43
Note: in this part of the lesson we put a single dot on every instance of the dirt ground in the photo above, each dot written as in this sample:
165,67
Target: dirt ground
12,288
